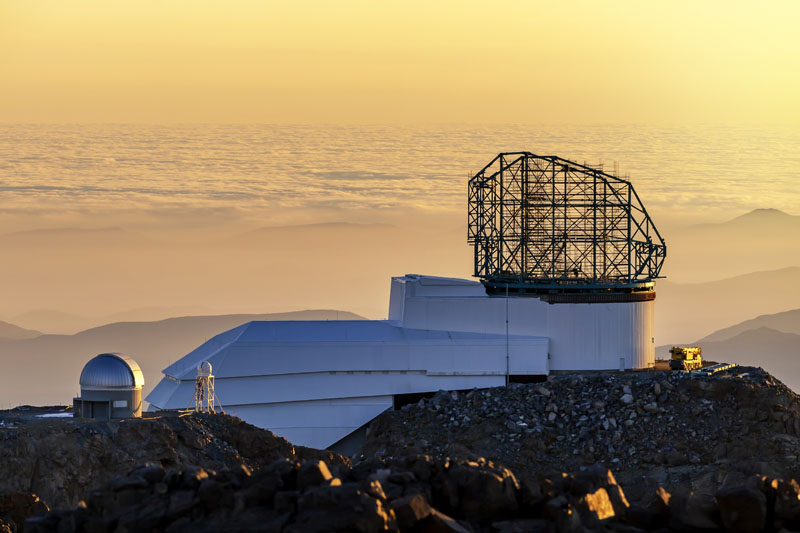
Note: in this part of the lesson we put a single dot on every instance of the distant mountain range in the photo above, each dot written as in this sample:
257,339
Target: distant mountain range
44,370
786,322
90,273
763,239
752,263
74,237
769,341
61,323
10,331
687,311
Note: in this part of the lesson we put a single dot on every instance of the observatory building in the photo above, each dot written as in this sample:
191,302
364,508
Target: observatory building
111,387
566,255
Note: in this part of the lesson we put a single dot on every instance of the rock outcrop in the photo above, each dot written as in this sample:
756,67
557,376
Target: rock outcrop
61,460
413,493
692,453
651,428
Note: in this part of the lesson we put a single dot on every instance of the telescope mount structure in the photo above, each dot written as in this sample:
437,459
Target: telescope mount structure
546,225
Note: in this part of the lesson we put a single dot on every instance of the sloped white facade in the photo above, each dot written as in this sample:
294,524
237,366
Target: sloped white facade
316,382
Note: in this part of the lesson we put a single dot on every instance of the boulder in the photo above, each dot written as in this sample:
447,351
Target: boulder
438,522
341,508
694,512
15,507
595,508
643,517
742,507
375,489
261,491
597,477
787,504
476,491
409,510
422,466
531,494
312,474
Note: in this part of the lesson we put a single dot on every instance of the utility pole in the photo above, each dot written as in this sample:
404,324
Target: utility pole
507,355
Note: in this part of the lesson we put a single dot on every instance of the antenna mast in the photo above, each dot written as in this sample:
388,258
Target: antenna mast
205,399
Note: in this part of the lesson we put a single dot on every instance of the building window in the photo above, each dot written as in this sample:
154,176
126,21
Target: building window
120,403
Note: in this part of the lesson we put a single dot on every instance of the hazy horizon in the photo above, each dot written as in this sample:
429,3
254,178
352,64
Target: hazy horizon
190,205
162,159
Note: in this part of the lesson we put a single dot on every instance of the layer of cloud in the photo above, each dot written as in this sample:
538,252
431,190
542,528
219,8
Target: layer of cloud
253,175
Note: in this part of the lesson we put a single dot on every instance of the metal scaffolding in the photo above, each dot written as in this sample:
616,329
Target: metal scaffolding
546,222
205,397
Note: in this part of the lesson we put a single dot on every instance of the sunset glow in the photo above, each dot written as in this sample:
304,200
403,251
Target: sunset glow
357,62
185,158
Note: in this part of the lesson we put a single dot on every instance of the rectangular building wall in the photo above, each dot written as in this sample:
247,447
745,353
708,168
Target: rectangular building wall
583,336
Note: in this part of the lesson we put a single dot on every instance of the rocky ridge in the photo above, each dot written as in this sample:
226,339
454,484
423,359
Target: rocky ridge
656,428
413,493
693,453
61,460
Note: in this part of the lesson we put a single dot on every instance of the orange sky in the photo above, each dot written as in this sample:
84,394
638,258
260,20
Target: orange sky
357,62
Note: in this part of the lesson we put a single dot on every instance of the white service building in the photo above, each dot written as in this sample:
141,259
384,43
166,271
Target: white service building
317,382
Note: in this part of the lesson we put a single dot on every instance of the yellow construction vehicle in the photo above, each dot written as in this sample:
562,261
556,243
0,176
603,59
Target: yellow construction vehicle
685,358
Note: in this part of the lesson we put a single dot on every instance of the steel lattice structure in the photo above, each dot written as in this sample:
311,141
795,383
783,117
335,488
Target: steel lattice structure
546,222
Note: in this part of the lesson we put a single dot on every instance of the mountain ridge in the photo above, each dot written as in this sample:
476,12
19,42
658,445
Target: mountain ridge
784,321
46,368
691,311
776,351
12,331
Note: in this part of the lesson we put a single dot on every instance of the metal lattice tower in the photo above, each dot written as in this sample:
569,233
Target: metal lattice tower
546,223
205,399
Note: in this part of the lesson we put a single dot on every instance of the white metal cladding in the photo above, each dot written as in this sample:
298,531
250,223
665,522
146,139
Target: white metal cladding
316,423
337,403
583,336
601,336
315,382
170,394
271,372
292,347
645,322
397,298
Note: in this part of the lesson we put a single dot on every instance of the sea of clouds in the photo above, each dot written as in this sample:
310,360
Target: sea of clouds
231,176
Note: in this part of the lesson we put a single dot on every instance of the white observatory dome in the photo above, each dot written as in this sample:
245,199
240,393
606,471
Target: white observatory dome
111,371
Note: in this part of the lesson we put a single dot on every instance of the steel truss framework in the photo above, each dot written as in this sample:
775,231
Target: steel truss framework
544,221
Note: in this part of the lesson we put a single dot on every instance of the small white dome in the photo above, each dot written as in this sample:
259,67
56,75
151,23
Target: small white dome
111,371
204,369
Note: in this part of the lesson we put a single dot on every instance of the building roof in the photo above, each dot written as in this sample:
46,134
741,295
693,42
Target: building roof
439,286
353,361
111,371
288,347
